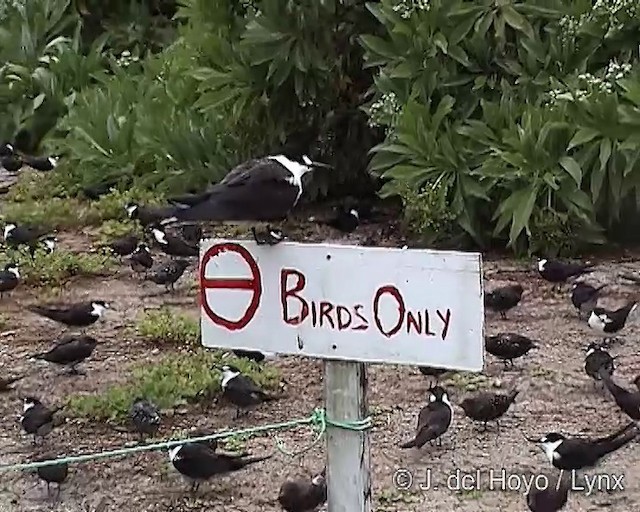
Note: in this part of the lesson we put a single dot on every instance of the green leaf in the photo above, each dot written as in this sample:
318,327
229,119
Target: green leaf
573,168
444,108
441,42
582,136
605,152
517,21
523,212
377,45
457,53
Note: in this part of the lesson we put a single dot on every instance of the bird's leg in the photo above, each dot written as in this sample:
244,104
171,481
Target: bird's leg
48,489
484,427
237,413
503,315
59,490
498,426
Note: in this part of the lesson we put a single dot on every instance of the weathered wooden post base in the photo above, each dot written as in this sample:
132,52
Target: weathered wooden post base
348,451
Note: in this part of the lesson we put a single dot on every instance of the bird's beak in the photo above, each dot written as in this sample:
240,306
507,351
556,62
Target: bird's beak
322,165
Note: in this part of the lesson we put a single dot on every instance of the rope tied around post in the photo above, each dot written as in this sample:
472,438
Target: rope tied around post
318,421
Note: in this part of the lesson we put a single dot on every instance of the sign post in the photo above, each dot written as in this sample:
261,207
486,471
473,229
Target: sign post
348,305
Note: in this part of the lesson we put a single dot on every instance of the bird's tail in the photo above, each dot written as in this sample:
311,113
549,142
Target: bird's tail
189,199
599,288
39,310
40,355
629,427
269,398
252,460
513,394
618,440
409,444
14,379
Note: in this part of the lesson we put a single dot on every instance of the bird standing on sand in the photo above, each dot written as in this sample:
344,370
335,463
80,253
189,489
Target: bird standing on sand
550,498
573,454
169,273
173,245
508,346
70,351
628,401
53,474
37,419
503,299
584,298
557,272
124,245
597,360
81,314
198,463
259,190
145,417
141,259
240,389
434,419
610,322
303,495
9,279
486,406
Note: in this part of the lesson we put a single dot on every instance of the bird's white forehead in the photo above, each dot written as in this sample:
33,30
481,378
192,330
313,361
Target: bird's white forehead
542,264
173,452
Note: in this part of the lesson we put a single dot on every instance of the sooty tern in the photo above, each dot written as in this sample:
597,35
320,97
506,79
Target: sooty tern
9,279
584,298
611,321
303,495
173,245
557,272
70,351
37,419
141,259
596,361
81,314
550,498
628,401
486,406
503,299
434,419
240,389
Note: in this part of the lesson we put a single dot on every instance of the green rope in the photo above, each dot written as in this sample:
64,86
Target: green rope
318,420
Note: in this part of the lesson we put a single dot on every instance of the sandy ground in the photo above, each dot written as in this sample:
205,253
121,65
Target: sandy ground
556,395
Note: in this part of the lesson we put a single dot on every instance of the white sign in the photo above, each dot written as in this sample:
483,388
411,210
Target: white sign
370,304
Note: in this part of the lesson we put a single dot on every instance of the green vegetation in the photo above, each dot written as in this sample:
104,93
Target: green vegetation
176,380
497,123
59,267
165,326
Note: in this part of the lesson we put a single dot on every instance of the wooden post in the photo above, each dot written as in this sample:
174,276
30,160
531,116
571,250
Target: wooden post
348,451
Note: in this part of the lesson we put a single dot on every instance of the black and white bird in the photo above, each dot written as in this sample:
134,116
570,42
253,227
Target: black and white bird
41,163
70,351
148,215
434,419
173,245
611,321
141,259
240,389
37,419
260,190
16,236
124,245
584,298
556,271
628,401
345,220
303,495
52,474
550,498
7,382
597,360
81,314
503,299
47,243
169,273
9,279
486,406
568,453
7,149
11,163
197,462
145,417
508,346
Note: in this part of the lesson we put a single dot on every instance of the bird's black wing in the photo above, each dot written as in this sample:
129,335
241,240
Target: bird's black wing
433,420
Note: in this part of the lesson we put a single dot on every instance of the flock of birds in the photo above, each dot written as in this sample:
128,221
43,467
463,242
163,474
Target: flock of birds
266,190
564,453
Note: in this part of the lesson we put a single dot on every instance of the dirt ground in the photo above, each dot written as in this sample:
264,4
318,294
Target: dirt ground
556,395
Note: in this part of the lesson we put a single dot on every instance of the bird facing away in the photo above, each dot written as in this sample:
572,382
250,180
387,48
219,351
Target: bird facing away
141,259
124,245
574,453
81,314
556,271
70,351
54,474
628,401
503,299
303,495
148,215
584,298
609,322
434,419
597,360
486,406
508,346
346,220
36,419
172,245
241,390
9,279
145,417
6,382
550,498
40,163
262,189
197,462
169,273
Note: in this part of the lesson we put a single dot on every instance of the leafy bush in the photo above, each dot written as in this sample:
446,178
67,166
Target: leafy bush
163,325
177,379
525,113
57,268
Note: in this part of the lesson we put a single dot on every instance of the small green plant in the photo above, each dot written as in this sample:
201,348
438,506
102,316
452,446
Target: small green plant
177,379
3,322
111,206
54,213
112,229
167,326
57,268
